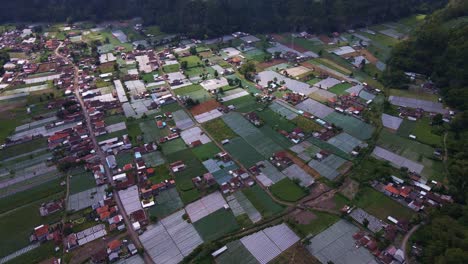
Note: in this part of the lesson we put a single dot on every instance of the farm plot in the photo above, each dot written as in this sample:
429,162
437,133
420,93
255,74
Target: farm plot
86,198
397,160
236,253
291,84
336,244
275,120
193,135
20,223
167,202
305,150
270,171
206,151
153,159
315,108
294,172
328,167
287,190
346,142
261,201
321,95
204,107
205,206
340,89
251,134
283,109
417,103
195,91
351,125
194,167
233,94
219,130
380,205
267,244
391,122
171,239
182,120
247,207
216,224
208,116
81,180
243,152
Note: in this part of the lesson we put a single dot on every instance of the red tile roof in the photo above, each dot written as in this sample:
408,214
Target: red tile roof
390,188
114,245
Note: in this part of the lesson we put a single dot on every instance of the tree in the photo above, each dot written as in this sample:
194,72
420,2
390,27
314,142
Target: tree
216,74
437,120
365,222
183,65
193,50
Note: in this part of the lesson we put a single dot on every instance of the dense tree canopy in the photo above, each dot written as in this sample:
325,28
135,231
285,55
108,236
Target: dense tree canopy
439,49
215,17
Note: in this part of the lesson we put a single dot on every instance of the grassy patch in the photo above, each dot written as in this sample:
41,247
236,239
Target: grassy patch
81,181
216,225
219,130
37,193
171,68
307,125
161,173
424,133
36,255
275,120
287,190
22,148
243,152
19,225
322,222
413,94
206,151
340,89
381,206
192,61
167,202
173,146
262,202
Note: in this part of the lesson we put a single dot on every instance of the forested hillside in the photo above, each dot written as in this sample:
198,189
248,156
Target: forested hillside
439,49
215,17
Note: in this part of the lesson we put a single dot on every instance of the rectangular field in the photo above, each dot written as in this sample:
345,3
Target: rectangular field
262,202
216,225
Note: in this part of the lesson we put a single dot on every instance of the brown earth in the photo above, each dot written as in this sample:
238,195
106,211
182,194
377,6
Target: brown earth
204,107
302,217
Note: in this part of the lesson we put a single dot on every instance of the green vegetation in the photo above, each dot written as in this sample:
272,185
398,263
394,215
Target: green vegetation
36,255
192,61
39,192
307,125
340,89
81,181
321,222
287,190
261,201
171,68
20,223
424,133
216,224
219,130
206,151
380,205
22,148
274,120
194,168
161,173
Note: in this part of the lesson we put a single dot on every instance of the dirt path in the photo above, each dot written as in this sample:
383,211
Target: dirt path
404,242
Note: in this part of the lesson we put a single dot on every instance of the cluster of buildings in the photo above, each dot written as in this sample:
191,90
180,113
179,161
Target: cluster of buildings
414,193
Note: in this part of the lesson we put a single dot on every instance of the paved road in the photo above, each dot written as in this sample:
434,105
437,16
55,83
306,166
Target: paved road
133,235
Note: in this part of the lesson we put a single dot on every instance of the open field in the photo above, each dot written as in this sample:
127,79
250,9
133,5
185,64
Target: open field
380,205
261,201
414,94
22,148
192,61
216,224
20,223
81,180
287,190
219,130
206,151
194,168
320,222
243,152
